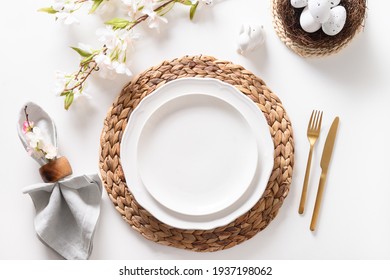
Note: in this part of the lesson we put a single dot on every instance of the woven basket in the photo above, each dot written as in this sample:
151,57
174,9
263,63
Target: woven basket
245,226
287,26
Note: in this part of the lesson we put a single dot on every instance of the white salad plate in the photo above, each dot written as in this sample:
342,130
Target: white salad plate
197,153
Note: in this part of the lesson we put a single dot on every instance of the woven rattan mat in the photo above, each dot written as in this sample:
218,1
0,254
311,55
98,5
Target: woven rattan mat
244,227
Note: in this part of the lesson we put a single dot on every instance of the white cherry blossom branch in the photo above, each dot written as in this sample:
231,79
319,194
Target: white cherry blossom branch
117,38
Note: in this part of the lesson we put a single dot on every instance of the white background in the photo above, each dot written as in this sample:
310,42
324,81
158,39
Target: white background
354,84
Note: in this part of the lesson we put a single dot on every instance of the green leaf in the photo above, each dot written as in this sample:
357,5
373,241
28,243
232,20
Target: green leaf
95,5
81,52
186,2
48,10
164,10
118,23
193,10
68,100
87,60
65,92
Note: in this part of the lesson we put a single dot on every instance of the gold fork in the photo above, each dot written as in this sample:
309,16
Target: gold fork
313,132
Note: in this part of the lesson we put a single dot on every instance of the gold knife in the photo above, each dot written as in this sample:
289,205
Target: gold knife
325,160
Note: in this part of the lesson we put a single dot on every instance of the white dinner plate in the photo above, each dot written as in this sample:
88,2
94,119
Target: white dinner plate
150,152
197,154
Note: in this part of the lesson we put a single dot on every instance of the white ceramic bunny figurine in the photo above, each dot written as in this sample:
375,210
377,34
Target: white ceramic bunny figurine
250,37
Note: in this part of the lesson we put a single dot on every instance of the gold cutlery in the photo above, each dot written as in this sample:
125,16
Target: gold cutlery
313,132
326,155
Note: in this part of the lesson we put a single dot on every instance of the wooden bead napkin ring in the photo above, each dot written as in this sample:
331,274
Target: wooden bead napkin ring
55,170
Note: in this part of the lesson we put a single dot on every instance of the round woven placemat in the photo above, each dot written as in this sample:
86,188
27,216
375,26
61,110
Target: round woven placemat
244,227
287,27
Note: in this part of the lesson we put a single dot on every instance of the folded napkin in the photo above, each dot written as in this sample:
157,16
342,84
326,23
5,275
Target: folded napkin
66,214
67,209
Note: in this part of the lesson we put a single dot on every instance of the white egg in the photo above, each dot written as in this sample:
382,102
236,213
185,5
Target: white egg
334,3
308,23
299,3
336,22
320,9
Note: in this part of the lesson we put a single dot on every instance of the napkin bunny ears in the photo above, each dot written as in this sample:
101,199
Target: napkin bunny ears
38,134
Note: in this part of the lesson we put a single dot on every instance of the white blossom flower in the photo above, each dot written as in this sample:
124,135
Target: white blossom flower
105,64
120,38
154,19
63,5
107,36
64,81
37,146
67,18
65,9
102,59
60,83
50,151
34,137
121,68
131,7
107,9
112,60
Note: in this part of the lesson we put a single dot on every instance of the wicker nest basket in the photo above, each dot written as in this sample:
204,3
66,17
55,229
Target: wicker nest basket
287,26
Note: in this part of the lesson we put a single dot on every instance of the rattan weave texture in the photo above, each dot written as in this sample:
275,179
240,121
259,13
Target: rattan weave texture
244,227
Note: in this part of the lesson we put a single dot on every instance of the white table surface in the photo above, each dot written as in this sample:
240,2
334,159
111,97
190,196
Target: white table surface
354,84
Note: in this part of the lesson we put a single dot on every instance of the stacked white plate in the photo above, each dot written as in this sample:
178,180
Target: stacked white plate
197,153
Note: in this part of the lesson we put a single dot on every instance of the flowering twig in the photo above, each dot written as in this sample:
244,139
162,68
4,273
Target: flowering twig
37,145
28,124
111,58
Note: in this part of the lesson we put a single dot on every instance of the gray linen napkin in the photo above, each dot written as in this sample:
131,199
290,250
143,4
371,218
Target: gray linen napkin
66,214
